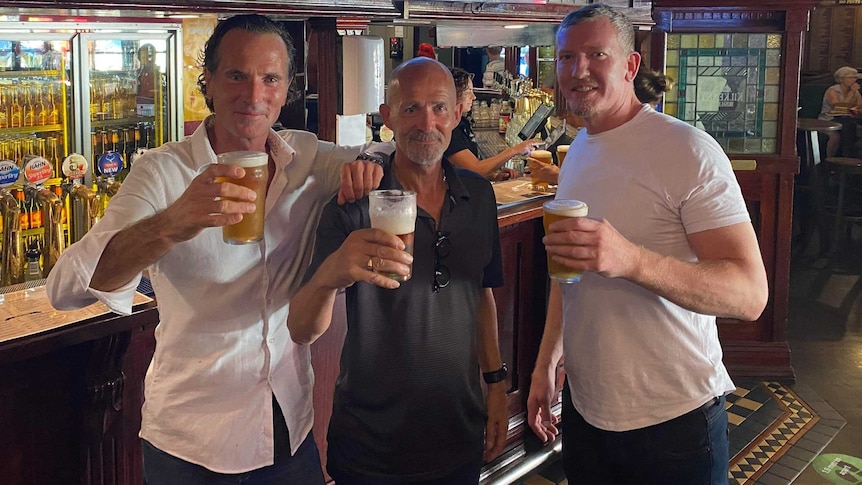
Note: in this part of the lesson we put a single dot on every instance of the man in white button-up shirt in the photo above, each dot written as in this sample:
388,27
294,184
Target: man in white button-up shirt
225,368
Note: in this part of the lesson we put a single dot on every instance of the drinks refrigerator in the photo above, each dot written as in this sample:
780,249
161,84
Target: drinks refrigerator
104,90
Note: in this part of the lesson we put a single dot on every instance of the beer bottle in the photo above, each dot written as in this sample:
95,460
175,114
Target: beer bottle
43,112
52,107
53,156
95,101
25,213
4,107
35,214
106,96
29,111
15,115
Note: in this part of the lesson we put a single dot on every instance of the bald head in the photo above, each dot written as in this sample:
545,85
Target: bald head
413,70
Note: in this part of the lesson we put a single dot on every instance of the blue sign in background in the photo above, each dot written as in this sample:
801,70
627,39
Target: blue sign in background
9,173
110,164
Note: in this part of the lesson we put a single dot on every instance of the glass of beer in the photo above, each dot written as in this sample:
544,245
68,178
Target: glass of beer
557,210
562,150
394,211
250,229
543,156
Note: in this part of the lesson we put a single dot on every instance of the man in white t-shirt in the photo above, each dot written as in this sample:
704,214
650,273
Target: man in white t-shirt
667,247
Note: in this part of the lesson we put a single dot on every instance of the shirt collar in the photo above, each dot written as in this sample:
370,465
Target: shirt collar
457,190
203,153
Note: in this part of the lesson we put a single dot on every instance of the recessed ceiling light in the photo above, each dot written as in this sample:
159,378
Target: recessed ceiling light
515,26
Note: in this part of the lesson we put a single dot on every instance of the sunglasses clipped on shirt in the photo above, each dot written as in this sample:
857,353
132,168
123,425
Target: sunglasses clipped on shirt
442,245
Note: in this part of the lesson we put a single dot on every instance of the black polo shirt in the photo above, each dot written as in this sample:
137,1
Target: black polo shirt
463,138
408,401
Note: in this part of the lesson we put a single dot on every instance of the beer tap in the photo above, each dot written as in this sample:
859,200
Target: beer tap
109,164
37,171
83,201
53,241
12,271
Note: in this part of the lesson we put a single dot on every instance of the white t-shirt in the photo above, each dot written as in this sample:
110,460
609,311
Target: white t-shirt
222,345
634,359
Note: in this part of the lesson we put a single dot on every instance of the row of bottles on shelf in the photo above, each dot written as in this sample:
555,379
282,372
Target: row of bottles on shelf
23,149
36,103
113,98
121,145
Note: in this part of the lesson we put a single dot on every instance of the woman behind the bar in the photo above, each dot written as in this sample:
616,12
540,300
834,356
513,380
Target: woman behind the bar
845,93
463,150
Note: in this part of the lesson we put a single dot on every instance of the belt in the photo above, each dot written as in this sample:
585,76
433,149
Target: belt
708,404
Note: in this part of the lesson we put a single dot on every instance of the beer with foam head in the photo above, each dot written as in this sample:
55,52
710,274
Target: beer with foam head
543,156
557,210
394,211
562,150
250,229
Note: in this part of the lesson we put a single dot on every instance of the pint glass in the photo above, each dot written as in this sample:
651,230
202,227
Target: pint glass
250,228
394,211
543,156
562,150
557,210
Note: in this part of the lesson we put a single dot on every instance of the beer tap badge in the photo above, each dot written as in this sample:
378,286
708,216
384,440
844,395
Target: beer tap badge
37,170
9,173
75,166
110,164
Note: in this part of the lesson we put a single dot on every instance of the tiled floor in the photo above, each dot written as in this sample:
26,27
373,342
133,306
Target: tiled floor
777,429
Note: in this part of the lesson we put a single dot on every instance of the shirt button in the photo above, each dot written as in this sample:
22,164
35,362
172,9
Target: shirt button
271,340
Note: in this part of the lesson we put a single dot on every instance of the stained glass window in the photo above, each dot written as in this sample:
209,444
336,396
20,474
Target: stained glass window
727,85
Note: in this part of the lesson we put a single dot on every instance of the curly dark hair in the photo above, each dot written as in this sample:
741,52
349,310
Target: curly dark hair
209,58
462,79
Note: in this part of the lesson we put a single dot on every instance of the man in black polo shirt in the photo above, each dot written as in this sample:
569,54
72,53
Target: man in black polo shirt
408,403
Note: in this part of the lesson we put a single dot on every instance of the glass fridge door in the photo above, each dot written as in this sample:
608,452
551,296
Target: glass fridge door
129,96
34,102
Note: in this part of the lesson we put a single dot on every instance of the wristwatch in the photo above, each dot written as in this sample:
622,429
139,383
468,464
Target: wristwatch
497,375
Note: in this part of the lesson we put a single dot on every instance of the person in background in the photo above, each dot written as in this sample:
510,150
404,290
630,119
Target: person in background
408,405
495,64
463,151
227,394
668,245
649,86
843,94
426,50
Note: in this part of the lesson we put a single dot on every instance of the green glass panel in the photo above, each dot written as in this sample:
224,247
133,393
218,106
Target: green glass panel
673,41
672,58
729,86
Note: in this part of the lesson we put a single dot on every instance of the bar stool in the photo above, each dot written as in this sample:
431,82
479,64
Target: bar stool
815,185
843,166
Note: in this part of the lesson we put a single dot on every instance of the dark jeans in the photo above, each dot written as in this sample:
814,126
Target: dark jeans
689,450
303,468
466,475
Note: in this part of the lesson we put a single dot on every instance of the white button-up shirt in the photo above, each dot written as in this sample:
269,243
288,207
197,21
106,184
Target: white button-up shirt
222,344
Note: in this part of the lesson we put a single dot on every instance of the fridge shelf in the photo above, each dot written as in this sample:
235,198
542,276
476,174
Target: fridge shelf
16,74
26,130
122,122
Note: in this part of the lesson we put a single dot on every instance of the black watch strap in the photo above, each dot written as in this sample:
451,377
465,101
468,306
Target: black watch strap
497,375
377,158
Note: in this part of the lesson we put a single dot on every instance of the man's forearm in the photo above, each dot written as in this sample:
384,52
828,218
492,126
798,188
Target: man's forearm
551,347
725,288
131,251
310,312
489,345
